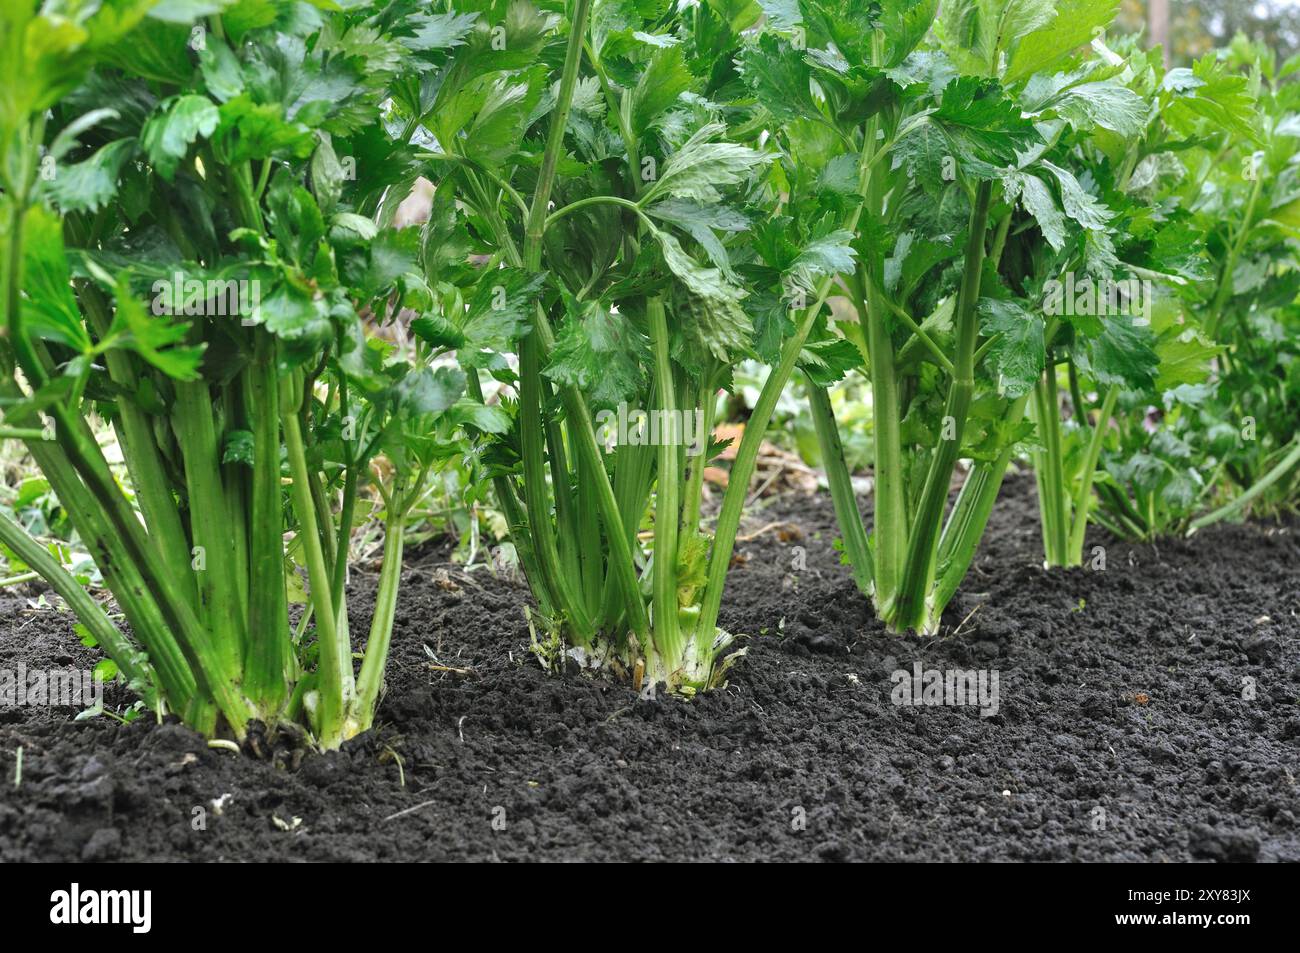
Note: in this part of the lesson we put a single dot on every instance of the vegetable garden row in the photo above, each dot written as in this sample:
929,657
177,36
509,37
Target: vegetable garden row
1043,245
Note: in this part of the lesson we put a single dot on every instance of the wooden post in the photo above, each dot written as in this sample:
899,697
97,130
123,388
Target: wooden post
1158,26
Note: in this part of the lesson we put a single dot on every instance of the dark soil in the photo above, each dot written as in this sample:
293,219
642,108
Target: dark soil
1126,730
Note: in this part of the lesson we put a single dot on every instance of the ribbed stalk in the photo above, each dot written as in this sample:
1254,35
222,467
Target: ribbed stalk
209,525
203,657
532,431
347,514
520,532
269,657
633,473
1224,290
913,610
889,497
692,496
667,637
1083,501
620,547
566,516
591,548
852,530
371,678
236,479
153,491
335,685
969,517
1049,470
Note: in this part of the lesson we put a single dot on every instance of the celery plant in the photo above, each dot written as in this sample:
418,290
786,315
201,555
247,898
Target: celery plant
923,138
965,142
1240,184
1181,246
1156,466
592,158
238,161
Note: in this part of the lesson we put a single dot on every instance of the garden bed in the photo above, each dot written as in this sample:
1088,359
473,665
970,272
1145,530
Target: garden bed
1122,733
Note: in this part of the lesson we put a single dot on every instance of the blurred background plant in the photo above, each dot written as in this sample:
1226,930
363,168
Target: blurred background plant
1195,27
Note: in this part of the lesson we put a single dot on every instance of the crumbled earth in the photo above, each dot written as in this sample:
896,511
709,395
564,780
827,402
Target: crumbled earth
1145,712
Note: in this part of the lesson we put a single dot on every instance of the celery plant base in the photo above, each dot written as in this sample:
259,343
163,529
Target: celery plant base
647,671
924,621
